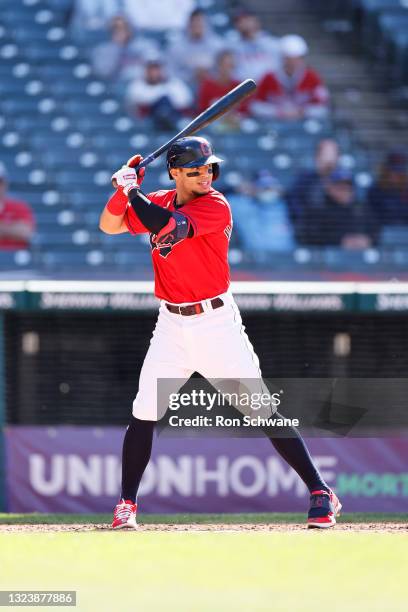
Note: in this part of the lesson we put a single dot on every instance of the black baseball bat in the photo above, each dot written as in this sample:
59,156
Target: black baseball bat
213,112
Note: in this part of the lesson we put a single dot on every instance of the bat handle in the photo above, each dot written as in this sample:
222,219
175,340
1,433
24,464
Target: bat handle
145,162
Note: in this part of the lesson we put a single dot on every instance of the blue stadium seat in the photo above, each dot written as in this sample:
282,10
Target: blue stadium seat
75,177
19,106
75,257
60,158
394,235
70,87
14,260
12,87
48,141
132,257
89,198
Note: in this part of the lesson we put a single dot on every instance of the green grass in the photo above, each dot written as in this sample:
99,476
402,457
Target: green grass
178,519
300,571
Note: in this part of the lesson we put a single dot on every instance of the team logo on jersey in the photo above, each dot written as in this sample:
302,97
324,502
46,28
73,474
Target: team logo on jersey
164,249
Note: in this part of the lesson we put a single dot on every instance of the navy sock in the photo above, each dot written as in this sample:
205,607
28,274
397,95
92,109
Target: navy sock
137,448
294,451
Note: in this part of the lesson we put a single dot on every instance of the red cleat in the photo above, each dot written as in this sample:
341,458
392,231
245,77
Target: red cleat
324,508
124,515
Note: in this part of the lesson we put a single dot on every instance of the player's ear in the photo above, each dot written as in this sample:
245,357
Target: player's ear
174,172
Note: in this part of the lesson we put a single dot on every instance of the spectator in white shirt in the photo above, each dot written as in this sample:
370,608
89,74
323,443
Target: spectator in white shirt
160,15
92,15
257,52
192,53
162,98
152,15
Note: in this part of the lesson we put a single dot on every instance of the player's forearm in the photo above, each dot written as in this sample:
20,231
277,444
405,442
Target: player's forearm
112,218
112,224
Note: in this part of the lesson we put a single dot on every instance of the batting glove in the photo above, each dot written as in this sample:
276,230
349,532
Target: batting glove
126,179
135,161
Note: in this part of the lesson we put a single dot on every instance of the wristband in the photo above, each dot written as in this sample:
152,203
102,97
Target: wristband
117,203
129,188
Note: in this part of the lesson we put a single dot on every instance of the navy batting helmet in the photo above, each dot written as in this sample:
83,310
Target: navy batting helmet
191,152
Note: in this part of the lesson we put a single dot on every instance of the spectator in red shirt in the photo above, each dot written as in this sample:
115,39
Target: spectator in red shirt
214,87
16,219
294,91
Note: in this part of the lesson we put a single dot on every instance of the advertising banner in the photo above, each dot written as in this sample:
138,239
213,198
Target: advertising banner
77,469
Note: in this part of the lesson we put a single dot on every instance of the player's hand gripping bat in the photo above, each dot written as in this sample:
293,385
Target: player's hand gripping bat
219,108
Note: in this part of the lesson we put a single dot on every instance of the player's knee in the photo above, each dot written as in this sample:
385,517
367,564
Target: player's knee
136,424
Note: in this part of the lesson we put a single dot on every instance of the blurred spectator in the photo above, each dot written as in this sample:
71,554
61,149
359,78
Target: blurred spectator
122,57
16,219
192,53
214,87
339,220
261,215
93,15
160,15
388,196
163,99
156,15
257,51
293,91
307,190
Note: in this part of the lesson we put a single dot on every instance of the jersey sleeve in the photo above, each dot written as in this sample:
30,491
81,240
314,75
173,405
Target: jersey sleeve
207,215
133,223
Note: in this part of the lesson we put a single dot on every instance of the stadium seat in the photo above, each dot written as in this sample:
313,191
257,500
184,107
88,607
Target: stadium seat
19,106
66,259
13,260
394,235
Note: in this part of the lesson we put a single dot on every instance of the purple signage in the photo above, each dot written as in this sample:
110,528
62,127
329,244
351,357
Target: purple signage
77,469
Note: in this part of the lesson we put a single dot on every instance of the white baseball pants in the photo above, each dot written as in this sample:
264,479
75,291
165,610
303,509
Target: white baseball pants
213,343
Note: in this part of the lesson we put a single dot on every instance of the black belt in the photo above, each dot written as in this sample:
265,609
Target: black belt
193,309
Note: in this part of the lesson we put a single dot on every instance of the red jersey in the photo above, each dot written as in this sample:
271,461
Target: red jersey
15,211
195,268
304,88
211,90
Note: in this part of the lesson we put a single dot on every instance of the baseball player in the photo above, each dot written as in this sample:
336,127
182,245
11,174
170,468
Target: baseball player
199,327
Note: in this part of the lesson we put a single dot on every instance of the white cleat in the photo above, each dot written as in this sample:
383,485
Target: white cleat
124,515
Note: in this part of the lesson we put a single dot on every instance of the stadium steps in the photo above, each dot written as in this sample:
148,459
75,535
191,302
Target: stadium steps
358,87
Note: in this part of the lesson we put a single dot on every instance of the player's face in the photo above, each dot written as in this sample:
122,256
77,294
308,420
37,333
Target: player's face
196,181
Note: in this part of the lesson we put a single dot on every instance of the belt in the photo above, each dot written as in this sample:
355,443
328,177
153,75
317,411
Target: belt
194,309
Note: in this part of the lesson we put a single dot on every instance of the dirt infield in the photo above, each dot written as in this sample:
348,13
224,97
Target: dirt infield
354,527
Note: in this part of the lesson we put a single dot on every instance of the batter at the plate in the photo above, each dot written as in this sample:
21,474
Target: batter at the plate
199,328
